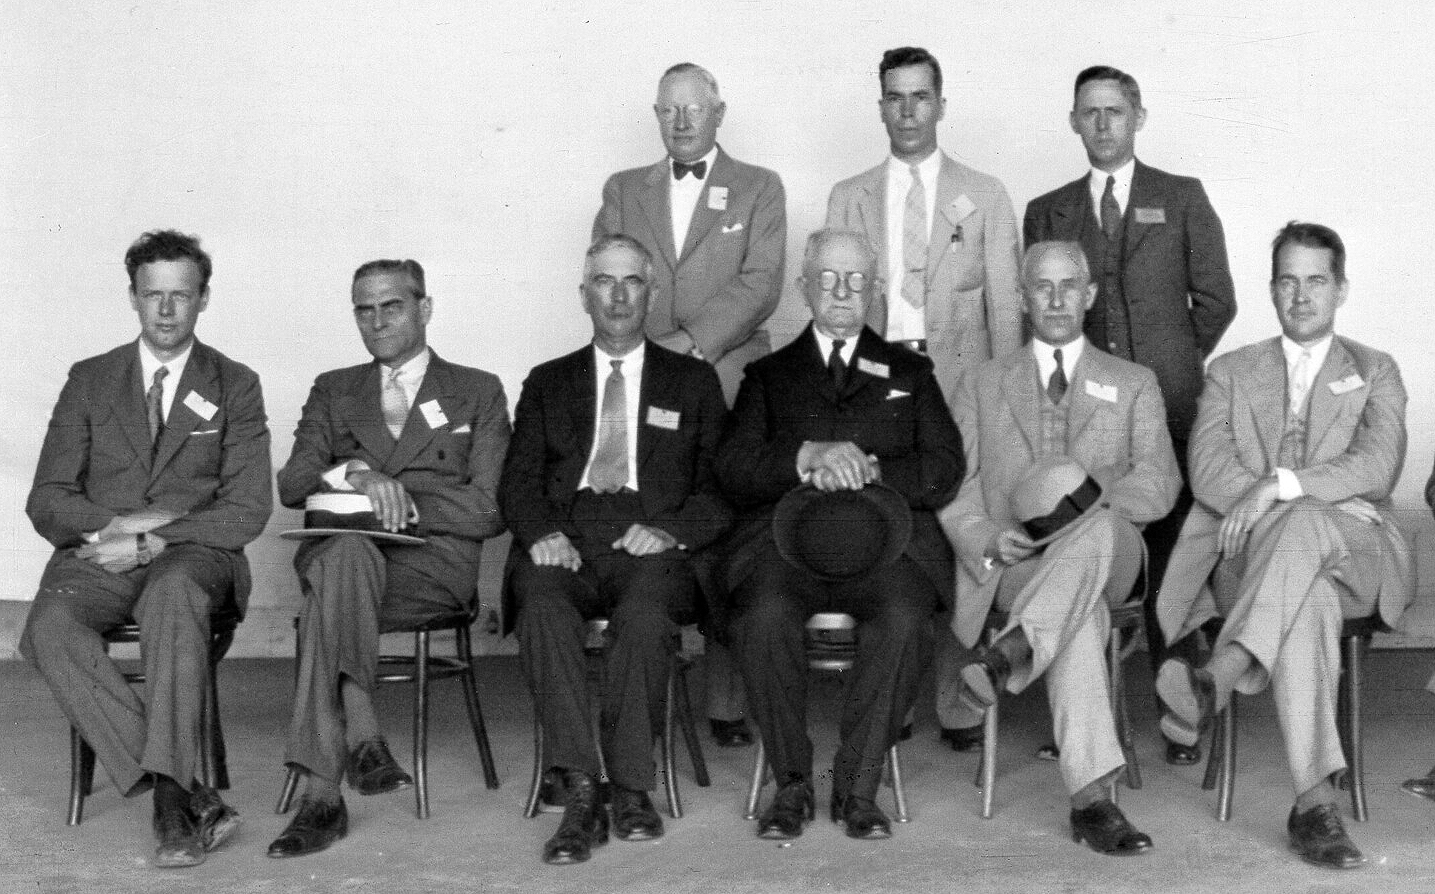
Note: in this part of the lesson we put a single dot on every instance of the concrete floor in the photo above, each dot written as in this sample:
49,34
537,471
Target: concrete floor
479,840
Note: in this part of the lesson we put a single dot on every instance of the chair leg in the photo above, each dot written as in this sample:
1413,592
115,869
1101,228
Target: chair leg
206,725
759,776
689,726
421,722
464,653
1227,791
79,784
1351,680
1214,755
219,759
1117,675
899,791
286,795
530,810
988,771
670,782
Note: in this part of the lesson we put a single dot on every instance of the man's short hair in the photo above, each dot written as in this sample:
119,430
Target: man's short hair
167,245
614,240
694,68
902,57
1129,87
1072,248
824,235
1311,235
411,267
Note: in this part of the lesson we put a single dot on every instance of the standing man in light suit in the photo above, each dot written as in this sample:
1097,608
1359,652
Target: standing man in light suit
1164,295
717,231
946,242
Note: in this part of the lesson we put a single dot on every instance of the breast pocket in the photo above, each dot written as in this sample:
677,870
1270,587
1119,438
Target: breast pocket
963,265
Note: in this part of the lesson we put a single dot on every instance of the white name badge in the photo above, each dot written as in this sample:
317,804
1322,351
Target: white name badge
660,418
1347,384
872,368
1101,392
201,407
1150,215
717,198
433,414
962,206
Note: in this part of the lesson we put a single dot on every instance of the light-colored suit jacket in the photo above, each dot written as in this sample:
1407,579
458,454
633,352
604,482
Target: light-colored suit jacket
1355,448
973,309
1116,430
727,278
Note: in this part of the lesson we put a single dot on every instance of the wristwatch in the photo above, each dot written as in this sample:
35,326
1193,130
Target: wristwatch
142,554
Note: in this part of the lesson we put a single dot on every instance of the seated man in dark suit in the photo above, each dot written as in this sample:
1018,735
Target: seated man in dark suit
838,408
609,490
424,440
153,477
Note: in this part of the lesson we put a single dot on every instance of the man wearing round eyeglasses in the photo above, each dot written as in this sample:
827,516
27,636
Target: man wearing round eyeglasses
717,231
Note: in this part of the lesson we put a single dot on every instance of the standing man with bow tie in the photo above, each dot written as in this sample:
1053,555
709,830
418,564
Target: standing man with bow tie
717,231
1164,296
946,244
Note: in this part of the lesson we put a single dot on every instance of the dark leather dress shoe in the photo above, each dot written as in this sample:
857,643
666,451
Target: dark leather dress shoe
962,738
316,825
584,825
730,733
790,809
1106,830
1189,694
372,770
1421,786
860,817
1319,837
984,679
1178,755
178,837
213,819
634,818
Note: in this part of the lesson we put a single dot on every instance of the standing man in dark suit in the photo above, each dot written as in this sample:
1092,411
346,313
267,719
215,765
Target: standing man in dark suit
717,231
1164,293
609,490
153,477
839,408
424,440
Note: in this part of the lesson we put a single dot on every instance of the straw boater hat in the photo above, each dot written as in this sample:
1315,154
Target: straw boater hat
329,514
1053,495
842,535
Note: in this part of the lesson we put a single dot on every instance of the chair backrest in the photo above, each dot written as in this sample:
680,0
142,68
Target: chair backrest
831,641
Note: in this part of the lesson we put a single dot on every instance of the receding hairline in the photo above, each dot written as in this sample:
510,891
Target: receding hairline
820,239
1038,251
693,68
617,240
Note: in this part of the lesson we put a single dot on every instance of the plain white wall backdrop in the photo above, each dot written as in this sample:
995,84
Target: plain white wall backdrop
299,139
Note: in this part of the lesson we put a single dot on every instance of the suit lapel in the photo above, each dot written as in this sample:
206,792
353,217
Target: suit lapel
705,217
127,388
653,199
814,365
873,350
1266,390
1324,403
872,212
656,378
583,403
946,216
1018,386
1083,404
1145,194
365,413
417,433
201,378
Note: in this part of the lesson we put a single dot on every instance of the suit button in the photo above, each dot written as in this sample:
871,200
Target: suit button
441,456
1111,346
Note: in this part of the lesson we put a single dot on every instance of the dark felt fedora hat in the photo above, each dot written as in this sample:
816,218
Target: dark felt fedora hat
841,535
1054,494
329,514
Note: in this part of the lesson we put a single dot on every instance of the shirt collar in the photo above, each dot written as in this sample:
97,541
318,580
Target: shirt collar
710,158
632,361
1070,353
824,345
928,167
149,362
1122,174
413,368
1318,351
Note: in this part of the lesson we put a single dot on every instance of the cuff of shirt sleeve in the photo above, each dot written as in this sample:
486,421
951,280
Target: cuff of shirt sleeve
1288,485
338,477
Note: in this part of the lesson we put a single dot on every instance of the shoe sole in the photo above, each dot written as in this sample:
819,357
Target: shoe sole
1082,839
1423,793
1175,729
397,786
178,861
638,835
1364,861
221,831
776,835
977,689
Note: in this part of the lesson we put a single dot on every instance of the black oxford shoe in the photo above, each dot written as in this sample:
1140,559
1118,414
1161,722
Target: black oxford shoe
178,839
730,733
962,738
789,811
584,825
316,825
1319,837
1106,830
372,770
861,818
634,818
1178,755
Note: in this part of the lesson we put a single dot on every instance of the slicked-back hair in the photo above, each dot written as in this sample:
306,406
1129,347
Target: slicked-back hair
1310,235
167,245
1129,87
694,68
614,240
903,57
1072,249
408,266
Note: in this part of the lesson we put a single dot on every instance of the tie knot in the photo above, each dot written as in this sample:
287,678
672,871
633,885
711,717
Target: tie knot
160,374
1057,355
617,366
916,173
839,343
1110,182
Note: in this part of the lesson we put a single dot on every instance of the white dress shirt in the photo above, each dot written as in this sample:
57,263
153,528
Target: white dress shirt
632,370
150,364
1121,189
683,198
1287,484
1046,358
905,322
411,379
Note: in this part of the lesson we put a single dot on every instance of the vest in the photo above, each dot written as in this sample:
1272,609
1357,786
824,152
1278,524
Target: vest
1108,325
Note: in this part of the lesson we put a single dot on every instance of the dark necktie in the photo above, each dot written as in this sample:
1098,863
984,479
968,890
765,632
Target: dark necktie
154,405
698,169
835,367
609,471
1110,211
1056,385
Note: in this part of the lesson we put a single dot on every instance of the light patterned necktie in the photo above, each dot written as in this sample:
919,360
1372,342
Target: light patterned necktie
1299,383
610,461
395,404
154,405
1056,385
914,243
1110,211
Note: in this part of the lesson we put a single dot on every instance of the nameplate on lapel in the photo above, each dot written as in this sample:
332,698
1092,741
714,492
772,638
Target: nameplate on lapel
717,198
1347,384
660,418
896,393
203,408
873,368
433,414
1150,215
1101,392
732,227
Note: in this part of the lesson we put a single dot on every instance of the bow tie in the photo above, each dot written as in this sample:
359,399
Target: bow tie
698,169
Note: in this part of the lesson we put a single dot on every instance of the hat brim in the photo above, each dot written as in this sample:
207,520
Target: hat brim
1097,503
801,500
387,536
